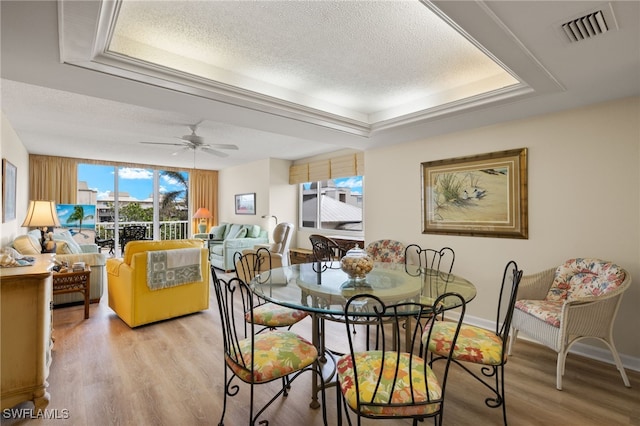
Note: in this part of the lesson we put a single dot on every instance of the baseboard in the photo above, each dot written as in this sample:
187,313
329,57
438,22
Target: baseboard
583,349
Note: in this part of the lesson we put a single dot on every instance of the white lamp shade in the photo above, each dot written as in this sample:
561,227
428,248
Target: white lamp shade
41,214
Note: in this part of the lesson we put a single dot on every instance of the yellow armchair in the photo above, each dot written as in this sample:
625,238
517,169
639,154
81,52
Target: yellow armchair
135,303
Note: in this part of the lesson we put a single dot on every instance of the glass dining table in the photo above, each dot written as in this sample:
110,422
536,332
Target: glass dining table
322,289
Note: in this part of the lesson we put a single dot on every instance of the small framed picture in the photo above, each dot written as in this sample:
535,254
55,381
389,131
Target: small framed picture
246,203
9,177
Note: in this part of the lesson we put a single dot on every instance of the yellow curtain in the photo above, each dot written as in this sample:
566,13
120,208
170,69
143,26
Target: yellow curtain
53,178
203,192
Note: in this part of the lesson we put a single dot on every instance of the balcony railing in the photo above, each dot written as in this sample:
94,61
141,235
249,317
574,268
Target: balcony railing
169,230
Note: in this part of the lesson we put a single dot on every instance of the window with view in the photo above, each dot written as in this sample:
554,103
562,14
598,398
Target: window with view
332,204
155,199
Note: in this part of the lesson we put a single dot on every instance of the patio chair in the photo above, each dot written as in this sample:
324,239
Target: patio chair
132,233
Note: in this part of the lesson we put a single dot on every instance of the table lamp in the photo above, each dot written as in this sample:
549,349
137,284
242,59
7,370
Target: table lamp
203,214
41,214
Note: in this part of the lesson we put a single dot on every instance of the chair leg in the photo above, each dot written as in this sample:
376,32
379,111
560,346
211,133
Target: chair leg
512,338
562,356
618,361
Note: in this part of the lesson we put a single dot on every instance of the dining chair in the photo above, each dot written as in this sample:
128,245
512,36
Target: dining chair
260,263
476,345
427,258
325,249
434,265
258,358
395,381
386,251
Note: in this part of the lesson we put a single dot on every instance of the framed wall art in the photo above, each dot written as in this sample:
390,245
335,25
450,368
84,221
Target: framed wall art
9,179
482,195
246,203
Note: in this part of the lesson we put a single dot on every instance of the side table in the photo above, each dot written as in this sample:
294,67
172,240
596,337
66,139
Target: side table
72,282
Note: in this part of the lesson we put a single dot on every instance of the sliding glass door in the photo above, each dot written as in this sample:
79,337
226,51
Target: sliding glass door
129,196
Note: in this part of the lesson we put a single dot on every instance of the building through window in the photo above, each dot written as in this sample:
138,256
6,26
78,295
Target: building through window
333,204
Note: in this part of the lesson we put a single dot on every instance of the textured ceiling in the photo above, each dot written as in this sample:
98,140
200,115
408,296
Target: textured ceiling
63,96
367,60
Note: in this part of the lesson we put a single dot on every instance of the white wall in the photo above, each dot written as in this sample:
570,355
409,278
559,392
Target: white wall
269,179
12,149
584,197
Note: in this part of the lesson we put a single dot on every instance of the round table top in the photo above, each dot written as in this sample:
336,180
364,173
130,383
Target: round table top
324,288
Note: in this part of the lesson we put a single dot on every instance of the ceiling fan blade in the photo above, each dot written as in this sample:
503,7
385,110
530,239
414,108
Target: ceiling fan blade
163,143
223,146
186,148
214,152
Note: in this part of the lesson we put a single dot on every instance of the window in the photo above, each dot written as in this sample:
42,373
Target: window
156,199
332,204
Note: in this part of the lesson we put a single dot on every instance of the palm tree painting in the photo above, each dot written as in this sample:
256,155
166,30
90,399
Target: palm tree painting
78,216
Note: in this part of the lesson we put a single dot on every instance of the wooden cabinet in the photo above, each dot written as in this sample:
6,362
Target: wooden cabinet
300,255
26,332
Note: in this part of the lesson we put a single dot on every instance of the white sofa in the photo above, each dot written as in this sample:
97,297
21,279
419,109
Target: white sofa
67,251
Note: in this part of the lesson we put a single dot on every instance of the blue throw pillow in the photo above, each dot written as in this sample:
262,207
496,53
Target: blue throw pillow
217,232
253,231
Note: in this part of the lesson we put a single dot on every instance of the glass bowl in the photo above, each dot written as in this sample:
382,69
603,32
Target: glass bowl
356,263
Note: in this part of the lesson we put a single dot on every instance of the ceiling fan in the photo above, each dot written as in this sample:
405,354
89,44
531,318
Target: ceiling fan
195,142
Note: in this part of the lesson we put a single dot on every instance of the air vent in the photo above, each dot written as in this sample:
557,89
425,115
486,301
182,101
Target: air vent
585,27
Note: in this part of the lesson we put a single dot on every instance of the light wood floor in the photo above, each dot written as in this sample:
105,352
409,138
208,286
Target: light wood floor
171,373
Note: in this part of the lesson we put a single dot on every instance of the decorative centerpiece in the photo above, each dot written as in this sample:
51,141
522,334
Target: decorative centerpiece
356,264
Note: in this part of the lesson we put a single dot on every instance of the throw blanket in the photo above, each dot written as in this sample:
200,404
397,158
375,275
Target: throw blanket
170,268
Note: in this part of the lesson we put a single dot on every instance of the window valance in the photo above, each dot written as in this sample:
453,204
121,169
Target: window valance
331,168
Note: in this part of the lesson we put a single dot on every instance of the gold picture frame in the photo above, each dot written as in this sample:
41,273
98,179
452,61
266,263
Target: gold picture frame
482,195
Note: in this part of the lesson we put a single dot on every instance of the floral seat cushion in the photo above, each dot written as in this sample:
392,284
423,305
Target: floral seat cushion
576,278
582,277
370,367
548,311
474,344
386,251
294,353
272,315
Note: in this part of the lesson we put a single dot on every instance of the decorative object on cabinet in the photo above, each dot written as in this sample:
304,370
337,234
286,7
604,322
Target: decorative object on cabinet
245,203
481,195
43,215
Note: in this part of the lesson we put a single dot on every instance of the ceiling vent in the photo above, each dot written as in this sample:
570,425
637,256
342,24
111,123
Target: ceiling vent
586,27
